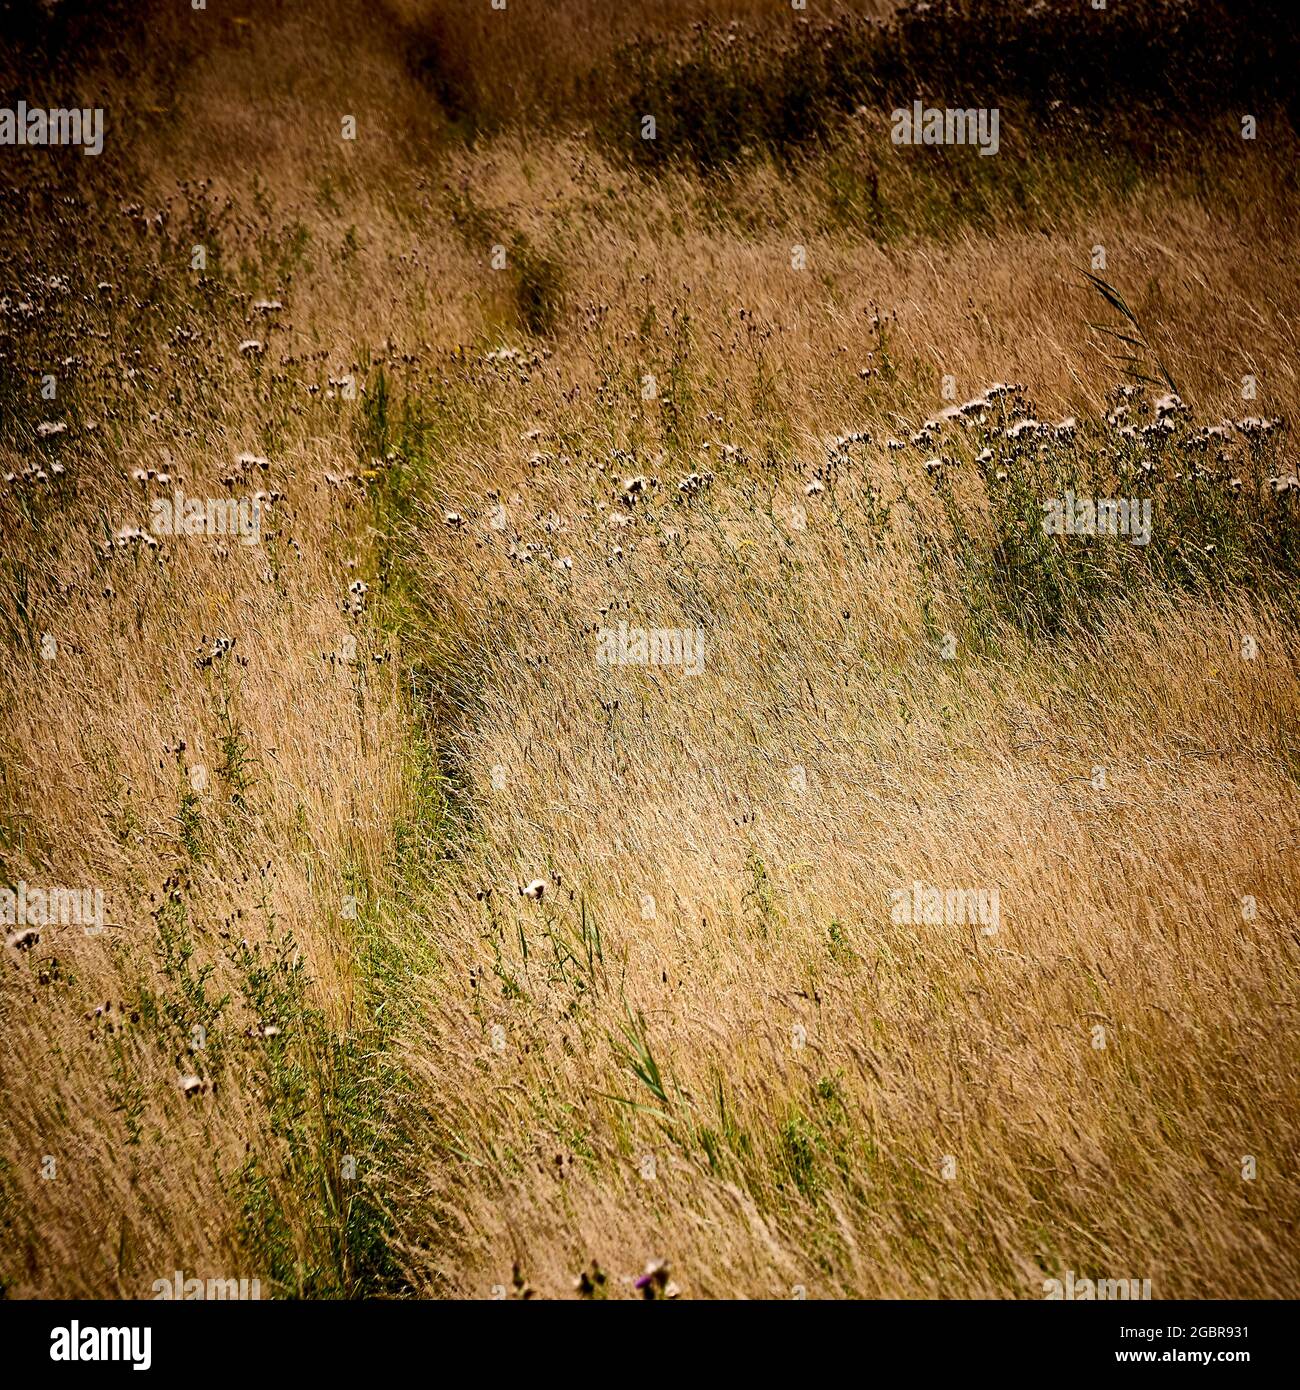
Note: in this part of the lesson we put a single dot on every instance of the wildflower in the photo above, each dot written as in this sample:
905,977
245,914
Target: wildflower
654,1283
132,535
588,1285
634,488
221,647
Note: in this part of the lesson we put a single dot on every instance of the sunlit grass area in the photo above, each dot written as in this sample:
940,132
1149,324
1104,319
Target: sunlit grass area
747,743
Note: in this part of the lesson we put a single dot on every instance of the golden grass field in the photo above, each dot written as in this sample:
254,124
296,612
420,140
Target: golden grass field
325,1040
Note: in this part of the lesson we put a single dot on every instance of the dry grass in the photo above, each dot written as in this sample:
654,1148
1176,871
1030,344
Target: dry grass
712,977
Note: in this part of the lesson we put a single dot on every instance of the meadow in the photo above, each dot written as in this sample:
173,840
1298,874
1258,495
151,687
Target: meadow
920,921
